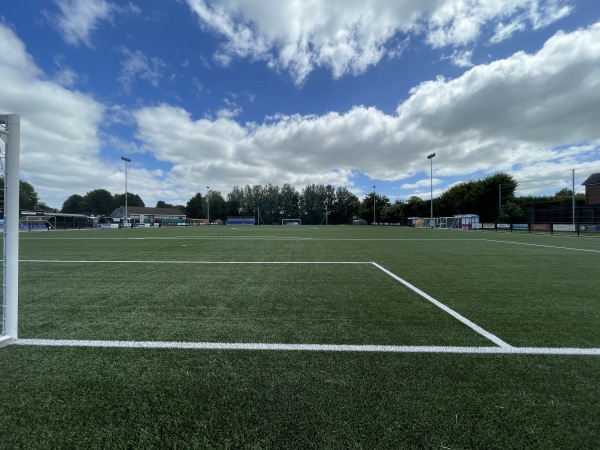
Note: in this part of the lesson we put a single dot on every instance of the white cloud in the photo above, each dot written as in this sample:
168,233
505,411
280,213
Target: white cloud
79,18
426,182
59,128
461,58
136,65
508,115
64,76
524,114
505,31
349,36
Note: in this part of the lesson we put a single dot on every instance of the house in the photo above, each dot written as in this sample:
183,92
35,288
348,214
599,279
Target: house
142,214
592,190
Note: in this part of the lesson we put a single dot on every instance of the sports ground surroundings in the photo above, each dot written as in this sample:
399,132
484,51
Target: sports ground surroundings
304,337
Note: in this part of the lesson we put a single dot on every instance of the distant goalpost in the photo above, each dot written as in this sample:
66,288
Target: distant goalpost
291,221
10,130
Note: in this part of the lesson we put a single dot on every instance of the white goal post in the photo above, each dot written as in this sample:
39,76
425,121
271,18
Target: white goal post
291,221
10,131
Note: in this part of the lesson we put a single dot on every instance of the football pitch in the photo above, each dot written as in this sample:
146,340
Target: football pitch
304,337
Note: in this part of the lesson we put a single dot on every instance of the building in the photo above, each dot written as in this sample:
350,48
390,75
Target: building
142,214
592,190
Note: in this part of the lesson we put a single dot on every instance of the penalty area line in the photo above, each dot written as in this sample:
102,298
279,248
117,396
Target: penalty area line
495,339
305,347
72,261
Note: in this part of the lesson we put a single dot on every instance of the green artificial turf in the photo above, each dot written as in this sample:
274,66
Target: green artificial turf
132,398
529,290
276,303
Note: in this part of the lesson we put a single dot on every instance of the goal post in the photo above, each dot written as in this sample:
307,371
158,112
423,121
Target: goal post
291,221
10,129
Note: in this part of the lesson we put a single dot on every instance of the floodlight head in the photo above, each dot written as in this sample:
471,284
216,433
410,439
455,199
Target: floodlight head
125,159
430,156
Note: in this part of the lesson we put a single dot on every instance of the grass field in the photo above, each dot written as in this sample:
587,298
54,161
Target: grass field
304,337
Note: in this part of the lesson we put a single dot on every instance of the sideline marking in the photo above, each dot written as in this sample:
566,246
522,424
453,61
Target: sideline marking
72,261
307,347
495,339
543,245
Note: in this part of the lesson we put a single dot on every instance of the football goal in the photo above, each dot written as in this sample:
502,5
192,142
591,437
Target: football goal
10,130
291,221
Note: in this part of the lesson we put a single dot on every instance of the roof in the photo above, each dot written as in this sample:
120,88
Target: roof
592,179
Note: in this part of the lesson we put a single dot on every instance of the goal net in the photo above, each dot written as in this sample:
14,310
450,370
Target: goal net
291,221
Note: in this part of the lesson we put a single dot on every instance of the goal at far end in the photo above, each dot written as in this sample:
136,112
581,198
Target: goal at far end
291,221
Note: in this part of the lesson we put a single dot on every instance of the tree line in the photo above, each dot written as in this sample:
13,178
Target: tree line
492,198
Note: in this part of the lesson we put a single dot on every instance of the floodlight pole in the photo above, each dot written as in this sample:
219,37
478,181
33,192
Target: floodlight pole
573,186
430,158
208,204
374,205
10,301
126,160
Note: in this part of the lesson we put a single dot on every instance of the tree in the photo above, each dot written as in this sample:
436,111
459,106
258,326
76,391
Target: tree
195,207
100,202
41,206
496,190
366,206
564,192
416,207
132,200
270,205
394,213
479,197
73,205
289,202
28,197
345,206
510,212
312,203
218,206
162,204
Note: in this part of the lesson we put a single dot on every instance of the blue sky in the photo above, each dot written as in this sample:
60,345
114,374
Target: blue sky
346,92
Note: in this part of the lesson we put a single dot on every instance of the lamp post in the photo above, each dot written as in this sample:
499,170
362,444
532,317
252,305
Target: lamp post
208,204
373,205
430,158
126,160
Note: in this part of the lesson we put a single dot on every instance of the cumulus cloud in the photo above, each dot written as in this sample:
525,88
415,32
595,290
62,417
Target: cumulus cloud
60,144
524,114
349,36
523,111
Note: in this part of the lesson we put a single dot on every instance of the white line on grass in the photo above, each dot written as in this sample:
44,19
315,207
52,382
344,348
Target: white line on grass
72,261
542,245
495,339
307,347
5,340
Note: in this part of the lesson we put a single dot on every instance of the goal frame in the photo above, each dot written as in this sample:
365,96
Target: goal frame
291,221
10,131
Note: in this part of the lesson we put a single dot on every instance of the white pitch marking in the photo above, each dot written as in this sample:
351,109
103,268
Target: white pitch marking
5,340
71,261
307,347
545,246
495,339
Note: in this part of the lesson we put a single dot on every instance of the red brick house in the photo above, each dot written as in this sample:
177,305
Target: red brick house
592,190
